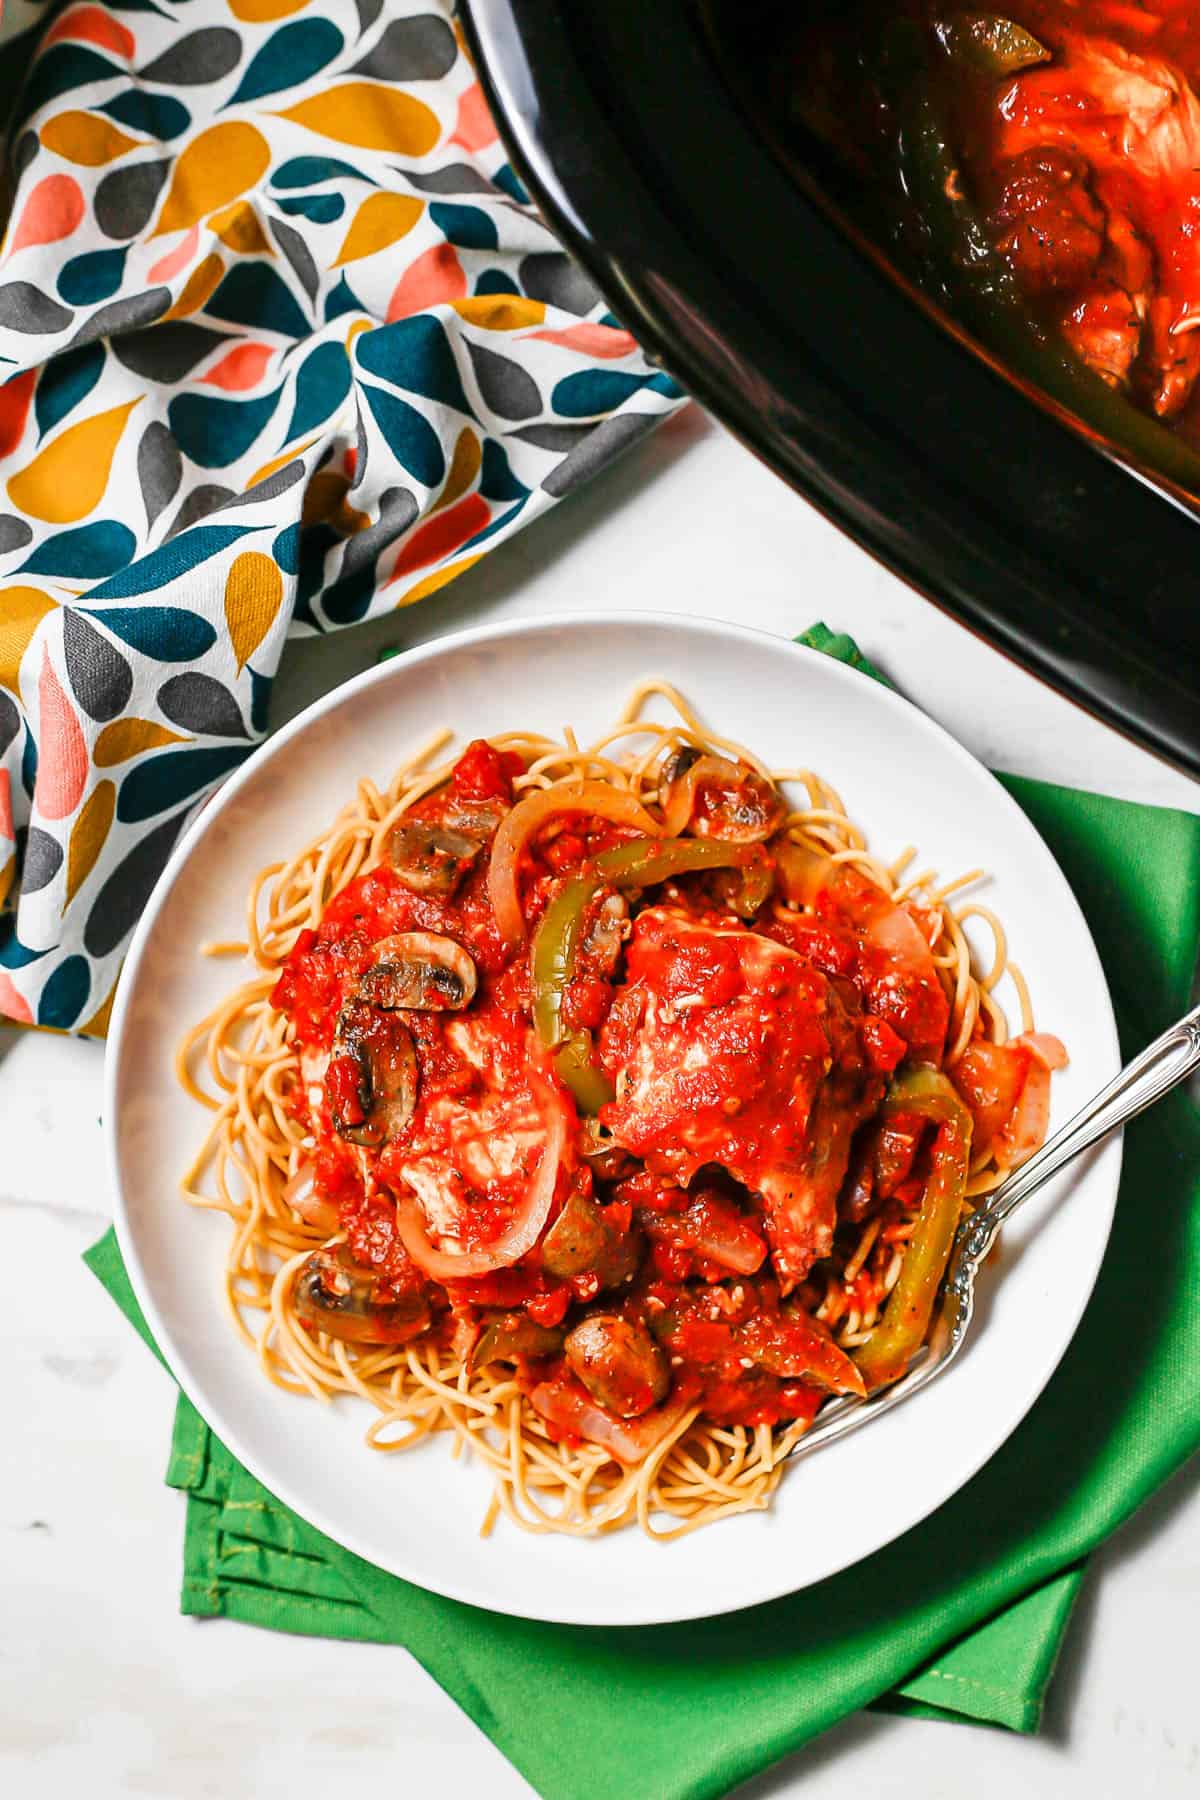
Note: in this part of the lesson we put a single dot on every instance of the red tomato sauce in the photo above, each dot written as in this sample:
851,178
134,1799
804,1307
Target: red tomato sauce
746,1060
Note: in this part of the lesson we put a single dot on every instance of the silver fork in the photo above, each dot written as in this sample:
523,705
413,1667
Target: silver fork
1160,1067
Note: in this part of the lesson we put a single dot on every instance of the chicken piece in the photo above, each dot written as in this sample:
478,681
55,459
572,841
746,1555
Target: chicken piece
469,1156
1135,119
729,1048
1105,332
1175,357
1047,222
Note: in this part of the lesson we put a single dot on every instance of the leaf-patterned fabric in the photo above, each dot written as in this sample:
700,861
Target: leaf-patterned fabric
283,346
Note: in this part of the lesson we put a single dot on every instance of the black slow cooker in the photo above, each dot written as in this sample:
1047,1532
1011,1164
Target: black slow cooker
746,283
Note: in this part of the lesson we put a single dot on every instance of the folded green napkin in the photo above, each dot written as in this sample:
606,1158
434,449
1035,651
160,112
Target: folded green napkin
963,1616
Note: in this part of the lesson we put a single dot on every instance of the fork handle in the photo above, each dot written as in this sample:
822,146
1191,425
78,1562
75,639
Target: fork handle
1160,1067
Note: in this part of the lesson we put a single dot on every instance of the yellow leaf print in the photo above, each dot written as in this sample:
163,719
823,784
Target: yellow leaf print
278,462
500,312
198,288
437,580
211,171
464,467
261,12
88,835
370,117
81,137
238,229
129,737
381,220
97,1025
68,478
22,610
253,592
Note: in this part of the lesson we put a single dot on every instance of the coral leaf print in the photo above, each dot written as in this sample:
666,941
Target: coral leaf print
15,396
63,764
92,25
435,277
175,261
53,210
473,128
240,369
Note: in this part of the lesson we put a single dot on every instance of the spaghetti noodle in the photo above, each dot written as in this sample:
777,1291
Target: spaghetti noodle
320,1277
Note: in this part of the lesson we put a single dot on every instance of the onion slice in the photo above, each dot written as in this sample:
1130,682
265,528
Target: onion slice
566,1406
1024,1131
299,1195
523,1231
528,816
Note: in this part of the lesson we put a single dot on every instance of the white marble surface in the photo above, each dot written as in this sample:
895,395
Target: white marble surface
106,1690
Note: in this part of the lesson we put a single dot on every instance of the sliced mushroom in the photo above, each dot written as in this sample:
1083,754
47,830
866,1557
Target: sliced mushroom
421,971
681,759
604,1156
605,935
578,1238
380,1049
581,1241
619,1363
476,819
333,1294
714,797
507,1336
430,859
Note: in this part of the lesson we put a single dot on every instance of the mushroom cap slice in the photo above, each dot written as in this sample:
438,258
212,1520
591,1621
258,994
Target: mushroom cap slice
381,1048
428,858
335,1295
421,971
619,1363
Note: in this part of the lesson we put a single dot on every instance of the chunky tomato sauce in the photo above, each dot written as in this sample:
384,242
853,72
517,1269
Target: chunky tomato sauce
626,1152
1065,133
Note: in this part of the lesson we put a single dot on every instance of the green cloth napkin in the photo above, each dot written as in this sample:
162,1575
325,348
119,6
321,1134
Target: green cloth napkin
964,1615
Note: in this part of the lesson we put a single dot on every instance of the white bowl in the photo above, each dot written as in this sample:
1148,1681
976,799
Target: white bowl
418,1515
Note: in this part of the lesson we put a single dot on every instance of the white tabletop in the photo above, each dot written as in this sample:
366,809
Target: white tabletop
106,1691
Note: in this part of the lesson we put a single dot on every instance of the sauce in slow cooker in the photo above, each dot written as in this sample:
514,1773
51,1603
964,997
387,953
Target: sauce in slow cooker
1036,170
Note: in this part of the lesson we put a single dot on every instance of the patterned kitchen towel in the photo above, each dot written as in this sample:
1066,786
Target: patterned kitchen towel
287,347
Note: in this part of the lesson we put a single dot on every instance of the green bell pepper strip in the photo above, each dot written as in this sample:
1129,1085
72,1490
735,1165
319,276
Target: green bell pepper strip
991,43
578,1072
555,948
643,862
905,1323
